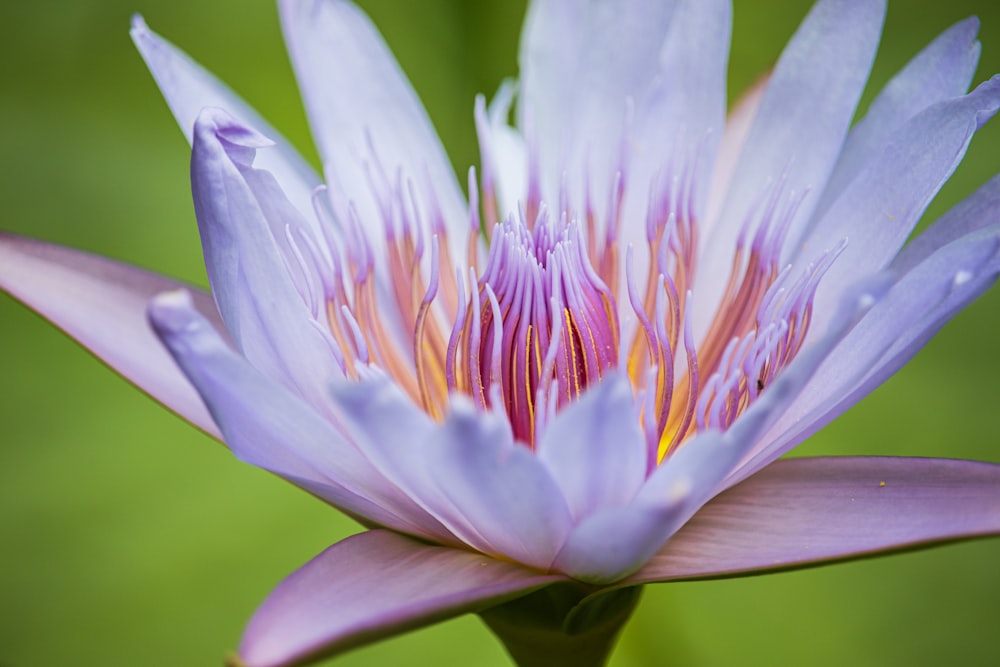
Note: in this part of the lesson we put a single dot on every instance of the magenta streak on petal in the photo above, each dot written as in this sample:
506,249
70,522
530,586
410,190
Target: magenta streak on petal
802,512
371,586
102,304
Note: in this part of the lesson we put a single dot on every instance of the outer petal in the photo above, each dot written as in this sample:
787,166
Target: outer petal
467,472
800,125
268,427
802,512
595,450
240,210
102,304
371,586
940,71
363,112
880,208
188,89
974,212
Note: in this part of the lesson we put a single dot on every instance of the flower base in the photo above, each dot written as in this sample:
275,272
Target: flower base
562,625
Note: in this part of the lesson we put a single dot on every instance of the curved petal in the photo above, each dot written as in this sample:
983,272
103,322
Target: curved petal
974,212
880,208
268,427
240,212
683,113
614,541
942,70
580,63
102,305
371,586
364,113
467,472
595,450
800,126
802,512
188,88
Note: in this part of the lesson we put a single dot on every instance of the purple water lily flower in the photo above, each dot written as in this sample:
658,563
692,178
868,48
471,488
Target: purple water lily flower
576,380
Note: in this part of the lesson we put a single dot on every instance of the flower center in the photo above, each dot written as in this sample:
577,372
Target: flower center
540,327
552,311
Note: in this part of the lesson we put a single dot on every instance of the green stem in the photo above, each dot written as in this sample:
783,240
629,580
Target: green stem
562,625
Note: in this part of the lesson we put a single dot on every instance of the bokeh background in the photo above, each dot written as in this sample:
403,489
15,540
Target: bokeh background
128,538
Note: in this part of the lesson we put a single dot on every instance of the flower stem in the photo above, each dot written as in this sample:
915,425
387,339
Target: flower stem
562,625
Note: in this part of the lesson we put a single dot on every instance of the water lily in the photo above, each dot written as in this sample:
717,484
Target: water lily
577,379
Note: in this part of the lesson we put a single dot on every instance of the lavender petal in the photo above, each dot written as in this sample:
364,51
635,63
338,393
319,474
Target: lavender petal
266,426
595,450
189,88
942,70
242,217
467,472
364,114
802,121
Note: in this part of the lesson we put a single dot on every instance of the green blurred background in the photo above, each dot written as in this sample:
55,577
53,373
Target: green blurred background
128,538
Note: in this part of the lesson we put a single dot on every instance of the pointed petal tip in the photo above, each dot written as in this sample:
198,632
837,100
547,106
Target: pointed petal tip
137,27
970,25
990,90
216,121
171,312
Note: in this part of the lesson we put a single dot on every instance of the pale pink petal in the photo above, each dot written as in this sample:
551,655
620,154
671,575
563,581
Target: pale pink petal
102,304
372,586
738,124
242,216
580,63
803,512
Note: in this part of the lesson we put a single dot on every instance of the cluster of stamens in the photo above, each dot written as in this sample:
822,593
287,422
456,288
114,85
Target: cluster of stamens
551,311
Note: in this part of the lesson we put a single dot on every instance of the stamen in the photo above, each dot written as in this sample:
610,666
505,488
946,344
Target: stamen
453,371
428,384
360,344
